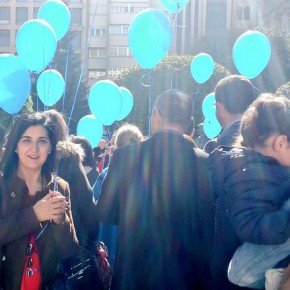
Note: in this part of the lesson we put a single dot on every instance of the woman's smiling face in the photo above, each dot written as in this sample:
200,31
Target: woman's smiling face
33,148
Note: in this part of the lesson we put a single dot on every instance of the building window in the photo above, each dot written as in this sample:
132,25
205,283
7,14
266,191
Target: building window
114,71
97,74
118,29
77,39
130,8
4,37
35,12
99,32
243,13
21,15
5,15
76,16
119,51
96,52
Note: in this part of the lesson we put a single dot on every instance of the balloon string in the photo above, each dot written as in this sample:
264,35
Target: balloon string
65,75
141,80
82,67
171,79
147,73
176,16
75,97
196,95
149,105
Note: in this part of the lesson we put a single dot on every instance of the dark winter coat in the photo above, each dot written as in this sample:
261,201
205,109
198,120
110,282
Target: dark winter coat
83,206
250,190
18,220
226,138
158,192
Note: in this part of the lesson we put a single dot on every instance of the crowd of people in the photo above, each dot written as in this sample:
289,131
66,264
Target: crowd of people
174,213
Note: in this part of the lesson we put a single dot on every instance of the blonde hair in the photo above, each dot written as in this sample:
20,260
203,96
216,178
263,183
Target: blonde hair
127,134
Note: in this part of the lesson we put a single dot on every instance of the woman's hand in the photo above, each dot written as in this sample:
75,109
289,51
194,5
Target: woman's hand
52,207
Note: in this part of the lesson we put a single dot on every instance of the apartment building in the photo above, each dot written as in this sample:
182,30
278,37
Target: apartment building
13,13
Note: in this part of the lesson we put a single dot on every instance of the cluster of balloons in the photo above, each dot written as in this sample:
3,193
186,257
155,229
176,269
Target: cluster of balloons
202,67
211,125
251,53
36,39
108,103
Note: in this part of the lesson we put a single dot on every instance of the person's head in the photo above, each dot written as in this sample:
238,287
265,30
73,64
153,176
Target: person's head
88,150
265,127
172,110
58,124
127,134
31,145
233,96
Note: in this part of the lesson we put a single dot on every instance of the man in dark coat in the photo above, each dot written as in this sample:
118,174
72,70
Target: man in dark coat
158,192
233,96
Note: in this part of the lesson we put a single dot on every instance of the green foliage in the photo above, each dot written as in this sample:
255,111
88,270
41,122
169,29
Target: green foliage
284,90
7,119
172,72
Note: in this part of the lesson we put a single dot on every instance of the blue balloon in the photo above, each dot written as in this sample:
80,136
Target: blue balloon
174,6
50,87
208,106
251,53
211,127
127,106
15,83
90,128
150,36
36,44
105,101
57,14
202,67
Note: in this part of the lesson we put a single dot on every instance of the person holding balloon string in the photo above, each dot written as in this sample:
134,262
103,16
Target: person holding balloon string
253,181
36,223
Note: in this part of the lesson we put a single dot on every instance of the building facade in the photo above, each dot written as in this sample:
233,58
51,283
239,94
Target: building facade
13,13
100,27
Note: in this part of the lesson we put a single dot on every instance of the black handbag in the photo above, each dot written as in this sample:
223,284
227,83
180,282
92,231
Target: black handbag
90,270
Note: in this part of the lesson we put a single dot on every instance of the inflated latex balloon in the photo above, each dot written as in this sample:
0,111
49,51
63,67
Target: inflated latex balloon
174,6
211,127
36,44
57,14
150,37
128,102
15,83
50,87
105,101
91,128
202,67
251,53
208,106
